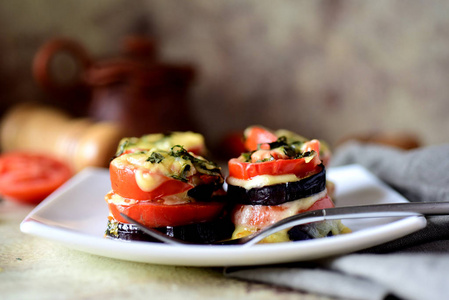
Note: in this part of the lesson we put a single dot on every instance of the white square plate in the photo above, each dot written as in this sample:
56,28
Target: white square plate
76,216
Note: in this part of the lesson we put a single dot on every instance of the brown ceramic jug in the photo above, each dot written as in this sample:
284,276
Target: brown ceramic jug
135,89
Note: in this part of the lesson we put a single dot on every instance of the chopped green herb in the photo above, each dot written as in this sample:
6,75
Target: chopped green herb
289,151
265,159
292,150
201,165
112,228
281,141
183,174
122,148
155,158
247,156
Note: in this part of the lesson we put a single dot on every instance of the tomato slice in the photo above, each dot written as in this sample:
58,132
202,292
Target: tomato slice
124,183
159,215
312,145
256,135
197,150
263,215
29,178
301,167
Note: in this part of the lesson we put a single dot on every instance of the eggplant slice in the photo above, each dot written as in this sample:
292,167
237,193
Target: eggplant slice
200,233
279,193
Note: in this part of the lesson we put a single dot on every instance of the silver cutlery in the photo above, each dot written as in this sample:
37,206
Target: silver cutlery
336,213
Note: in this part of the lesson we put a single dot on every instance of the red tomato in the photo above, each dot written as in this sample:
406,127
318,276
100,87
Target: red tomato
123,181
264,215
247,170
231,145
197,150
29,178
159,215
312,145
256,135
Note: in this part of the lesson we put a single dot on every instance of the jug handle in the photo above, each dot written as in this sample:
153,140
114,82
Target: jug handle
43,59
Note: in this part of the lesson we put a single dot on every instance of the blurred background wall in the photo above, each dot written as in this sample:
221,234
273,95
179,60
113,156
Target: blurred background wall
325,69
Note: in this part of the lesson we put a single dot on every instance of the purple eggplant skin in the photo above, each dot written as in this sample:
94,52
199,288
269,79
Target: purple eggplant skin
301,233
279,193
203,192
297,233
200,233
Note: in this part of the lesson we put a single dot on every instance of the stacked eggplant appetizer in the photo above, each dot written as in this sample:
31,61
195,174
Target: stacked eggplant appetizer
164,186
282,175
163,182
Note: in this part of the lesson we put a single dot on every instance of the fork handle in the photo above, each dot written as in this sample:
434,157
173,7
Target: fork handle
423,208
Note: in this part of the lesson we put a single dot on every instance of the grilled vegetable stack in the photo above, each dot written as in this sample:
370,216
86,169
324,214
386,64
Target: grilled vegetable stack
172,190
279,177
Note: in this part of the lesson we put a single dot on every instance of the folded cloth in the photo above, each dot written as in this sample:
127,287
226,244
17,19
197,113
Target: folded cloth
413,267
420,175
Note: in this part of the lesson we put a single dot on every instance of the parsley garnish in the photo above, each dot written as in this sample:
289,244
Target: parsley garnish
155,158
183,174
122,148
292,150
281,141
201,165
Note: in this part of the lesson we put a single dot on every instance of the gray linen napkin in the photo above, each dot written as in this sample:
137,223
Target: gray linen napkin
415,267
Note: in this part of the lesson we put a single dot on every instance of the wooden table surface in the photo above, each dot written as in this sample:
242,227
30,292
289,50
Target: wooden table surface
35,268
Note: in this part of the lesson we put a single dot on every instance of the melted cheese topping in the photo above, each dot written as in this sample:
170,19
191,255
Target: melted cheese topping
180,198
278,237
188,140
261,180
148,182
169,165
113,198
316,230
150,175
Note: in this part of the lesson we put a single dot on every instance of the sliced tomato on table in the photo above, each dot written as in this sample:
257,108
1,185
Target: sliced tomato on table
159,215
30,177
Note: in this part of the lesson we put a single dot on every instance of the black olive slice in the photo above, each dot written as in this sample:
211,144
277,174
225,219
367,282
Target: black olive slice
279,193
201,233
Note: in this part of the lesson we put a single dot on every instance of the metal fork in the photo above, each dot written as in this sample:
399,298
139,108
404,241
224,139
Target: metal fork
336,213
